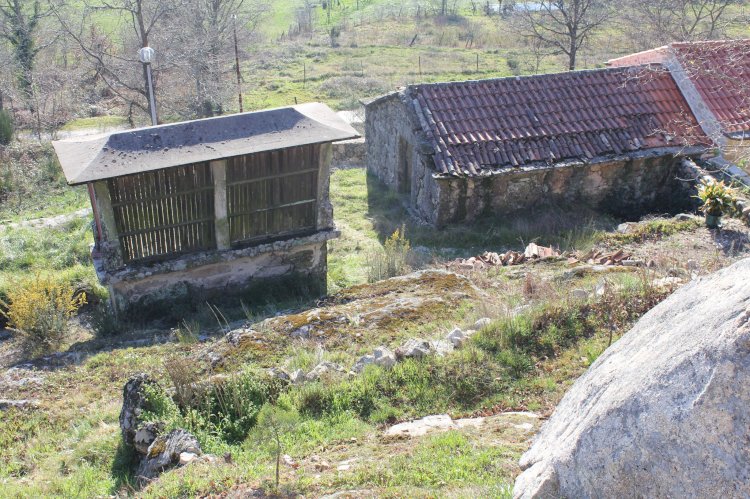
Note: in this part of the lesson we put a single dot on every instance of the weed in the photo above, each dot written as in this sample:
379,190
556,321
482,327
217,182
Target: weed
6,128
104,321
392,260
188,331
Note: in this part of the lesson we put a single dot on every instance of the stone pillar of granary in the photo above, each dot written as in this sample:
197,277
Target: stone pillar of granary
325,209
109,245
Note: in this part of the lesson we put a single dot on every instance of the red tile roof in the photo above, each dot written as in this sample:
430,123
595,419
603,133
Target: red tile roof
479,126
720,71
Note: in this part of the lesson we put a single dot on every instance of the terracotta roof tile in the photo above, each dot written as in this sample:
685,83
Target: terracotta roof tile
485,125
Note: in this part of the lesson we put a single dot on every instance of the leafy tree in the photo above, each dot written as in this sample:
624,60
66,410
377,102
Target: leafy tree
273,422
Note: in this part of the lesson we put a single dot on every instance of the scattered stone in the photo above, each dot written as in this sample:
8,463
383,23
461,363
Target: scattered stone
322,466
457,338
6,404
667,282
228,458
469,422
623,228
363,361
523,426
482,323
165,452
302,333
601,288
187,458
580,294
344,467
322,369
441,348
287,460
663,411
413,348
633,263
384,357
277,372
420,427
684,217
297,377
239,336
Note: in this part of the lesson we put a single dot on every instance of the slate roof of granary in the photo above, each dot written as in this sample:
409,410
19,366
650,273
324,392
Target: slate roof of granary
127,152
720,71
477,127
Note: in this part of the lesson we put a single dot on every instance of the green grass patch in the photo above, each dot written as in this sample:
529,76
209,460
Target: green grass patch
95,122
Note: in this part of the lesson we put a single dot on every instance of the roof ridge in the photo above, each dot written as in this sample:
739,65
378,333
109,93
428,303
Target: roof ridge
612,69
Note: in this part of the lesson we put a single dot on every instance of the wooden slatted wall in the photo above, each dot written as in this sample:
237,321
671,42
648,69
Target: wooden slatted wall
164,212
272,194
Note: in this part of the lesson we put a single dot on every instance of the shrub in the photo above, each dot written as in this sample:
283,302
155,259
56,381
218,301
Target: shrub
39,310
717,197
392,260
104,321
6,128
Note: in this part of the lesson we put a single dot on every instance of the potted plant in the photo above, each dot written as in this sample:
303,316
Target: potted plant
717,198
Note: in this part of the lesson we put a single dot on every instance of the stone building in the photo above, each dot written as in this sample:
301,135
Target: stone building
714,78
209,207
608,138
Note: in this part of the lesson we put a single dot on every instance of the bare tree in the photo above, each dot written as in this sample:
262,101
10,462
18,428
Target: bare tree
564,26
204,36
657,22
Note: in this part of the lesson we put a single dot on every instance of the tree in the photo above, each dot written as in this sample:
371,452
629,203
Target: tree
564,26
205,38
658,22
115,63
273,422
19,22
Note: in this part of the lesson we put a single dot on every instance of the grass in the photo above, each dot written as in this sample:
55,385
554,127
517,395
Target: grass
95,122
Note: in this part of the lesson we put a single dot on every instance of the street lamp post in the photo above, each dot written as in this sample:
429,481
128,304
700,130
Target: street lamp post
146,55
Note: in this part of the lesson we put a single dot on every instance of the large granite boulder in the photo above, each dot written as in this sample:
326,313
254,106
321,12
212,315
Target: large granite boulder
664,412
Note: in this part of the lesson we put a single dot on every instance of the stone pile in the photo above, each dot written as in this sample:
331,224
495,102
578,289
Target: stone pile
597,257
491,259
155,450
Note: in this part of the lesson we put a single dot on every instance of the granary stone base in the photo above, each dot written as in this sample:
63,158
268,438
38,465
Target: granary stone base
625,187
299,265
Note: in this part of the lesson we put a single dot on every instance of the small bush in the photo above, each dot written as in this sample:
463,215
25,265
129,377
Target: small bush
39,310
6,128
392,260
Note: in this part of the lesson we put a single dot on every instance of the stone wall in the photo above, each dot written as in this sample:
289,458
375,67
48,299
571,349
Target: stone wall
211,275
626,187
348,154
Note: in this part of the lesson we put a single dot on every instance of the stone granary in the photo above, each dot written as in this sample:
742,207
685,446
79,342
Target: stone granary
209,207
608,138
714,78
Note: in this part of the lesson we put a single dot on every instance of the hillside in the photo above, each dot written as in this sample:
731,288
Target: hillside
544,322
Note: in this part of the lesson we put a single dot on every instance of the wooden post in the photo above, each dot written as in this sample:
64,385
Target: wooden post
221,221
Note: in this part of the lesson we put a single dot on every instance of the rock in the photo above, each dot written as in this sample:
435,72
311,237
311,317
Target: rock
667,282
277,372
145,435
633,263
414,348
441,348
6,404
322,466
623,228
661,413
297,377
344,467
287,460
601,288
302,333
239,336
419,427
363,361
580,294
133,403
457,338
481,323
187,458
684,217
384,357
165,452
322,369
